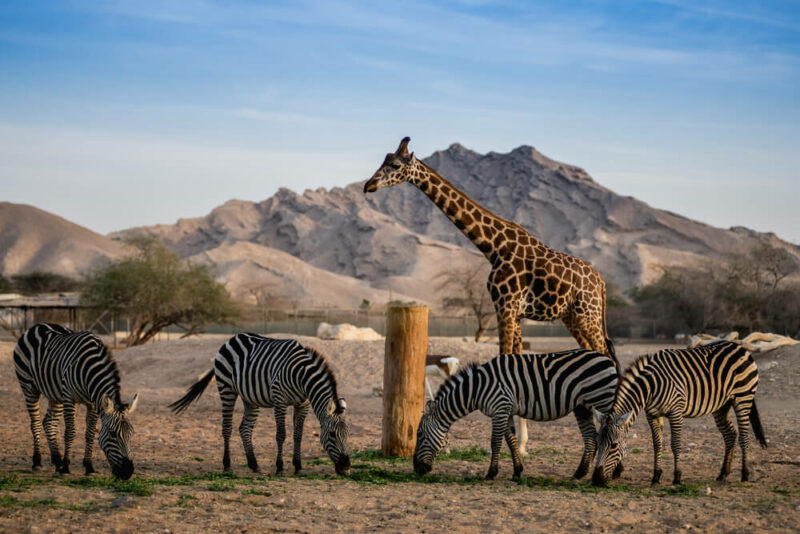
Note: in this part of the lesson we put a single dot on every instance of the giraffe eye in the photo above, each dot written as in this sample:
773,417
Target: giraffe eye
395,165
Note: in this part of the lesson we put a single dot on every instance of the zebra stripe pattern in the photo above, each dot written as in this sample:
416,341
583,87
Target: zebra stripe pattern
542,387
683,383
71,368
275,373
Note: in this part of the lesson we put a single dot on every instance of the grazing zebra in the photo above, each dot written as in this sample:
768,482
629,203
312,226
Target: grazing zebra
677,384
71,368
275,373
542,387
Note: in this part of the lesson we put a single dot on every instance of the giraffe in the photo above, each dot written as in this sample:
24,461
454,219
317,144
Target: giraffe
528,279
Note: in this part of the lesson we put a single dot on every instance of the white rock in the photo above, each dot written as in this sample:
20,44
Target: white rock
346,331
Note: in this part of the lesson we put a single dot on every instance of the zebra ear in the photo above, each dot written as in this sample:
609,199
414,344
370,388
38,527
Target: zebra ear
133,403
106,404
342,405
623,419
331,407
428,407
599,417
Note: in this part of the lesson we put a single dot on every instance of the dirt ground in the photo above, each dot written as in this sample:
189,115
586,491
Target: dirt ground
178,487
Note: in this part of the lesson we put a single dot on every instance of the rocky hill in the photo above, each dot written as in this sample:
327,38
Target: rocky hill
35,240
398,239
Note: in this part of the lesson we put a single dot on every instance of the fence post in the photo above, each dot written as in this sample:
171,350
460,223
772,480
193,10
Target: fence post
403,378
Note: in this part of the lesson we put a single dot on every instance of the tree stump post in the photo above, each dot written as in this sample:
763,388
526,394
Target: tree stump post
403,378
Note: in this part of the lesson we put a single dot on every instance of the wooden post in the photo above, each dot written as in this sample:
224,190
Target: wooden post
403,378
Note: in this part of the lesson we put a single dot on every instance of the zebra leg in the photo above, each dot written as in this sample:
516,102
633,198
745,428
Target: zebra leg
723,421
300,412
675,427
69,435
246,433
91,435
32,405
50,422
511,441
228,398
280,435
589,433
657,431
743,422
523,436
499,424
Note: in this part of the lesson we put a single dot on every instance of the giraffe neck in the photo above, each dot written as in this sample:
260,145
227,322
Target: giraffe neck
480,225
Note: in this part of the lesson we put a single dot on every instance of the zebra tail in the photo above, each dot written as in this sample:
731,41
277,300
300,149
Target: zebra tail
758,430
193,393
611,352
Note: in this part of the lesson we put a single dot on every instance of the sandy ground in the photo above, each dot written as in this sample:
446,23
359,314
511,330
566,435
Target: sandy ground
382,496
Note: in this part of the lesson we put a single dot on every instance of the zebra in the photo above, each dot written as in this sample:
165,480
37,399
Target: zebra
542,387
275,373
683,383
71,368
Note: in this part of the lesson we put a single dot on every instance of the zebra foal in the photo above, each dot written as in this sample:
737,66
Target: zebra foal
683,383
542,387
275,373
71,368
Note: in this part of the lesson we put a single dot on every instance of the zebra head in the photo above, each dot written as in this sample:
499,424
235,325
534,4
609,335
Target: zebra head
333,435
115,435
431,438
611,445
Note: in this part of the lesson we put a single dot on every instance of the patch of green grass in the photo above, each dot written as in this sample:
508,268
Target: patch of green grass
9,501
690,490
467,454
221,485
571,484
257,491
782,491
637,451
14,483
185,501
199,459
318,461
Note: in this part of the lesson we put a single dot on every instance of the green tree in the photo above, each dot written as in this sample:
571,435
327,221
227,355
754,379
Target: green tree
156,289
5,284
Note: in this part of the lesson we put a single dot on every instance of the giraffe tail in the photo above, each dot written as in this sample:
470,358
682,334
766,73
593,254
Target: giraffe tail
609,344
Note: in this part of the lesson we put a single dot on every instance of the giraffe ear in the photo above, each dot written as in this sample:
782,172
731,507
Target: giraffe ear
402,150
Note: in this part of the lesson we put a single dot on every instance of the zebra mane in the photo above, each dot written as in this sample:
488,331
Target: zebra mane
115,379
465,371
632,371
318,358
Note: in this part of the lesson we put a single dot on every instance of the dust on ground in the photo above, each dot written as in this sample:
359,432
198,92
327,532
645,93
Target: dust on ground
178,486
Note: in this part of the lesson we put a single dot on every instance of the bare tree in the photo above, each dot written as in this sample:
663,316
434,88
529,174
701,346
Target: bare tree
464,287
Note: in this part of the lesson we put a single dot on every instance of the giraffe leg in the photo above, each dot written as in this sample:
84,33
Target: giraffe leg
91,435
69,435
300,412
246,433
518,336
511,441
723,421
50,423
572,324
507,323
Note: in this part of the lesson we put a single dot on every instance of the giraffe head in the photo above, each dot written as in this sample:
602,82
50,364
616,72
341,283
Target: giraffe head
394,169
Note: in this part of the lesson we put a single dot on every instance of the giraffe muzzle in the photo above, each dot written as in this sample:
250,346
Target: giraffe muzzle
370,186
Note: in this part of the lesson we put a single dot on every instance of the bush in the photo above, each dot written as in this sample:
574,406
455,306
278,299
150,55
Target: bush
156,289
42,282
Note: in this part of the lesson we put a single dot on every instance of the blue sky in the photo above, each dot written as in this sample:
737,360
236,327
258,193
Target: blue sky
115,114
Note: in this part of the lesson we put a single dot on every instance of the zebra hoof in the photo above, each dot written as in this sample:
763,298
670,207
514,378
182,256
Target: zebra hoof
88,468
227,469
491,474
55,459
36,467
676,481
580,472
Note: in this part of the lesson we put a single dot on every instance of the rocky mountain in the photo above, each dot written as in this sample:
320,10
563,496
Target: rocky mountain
398,239
35,240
